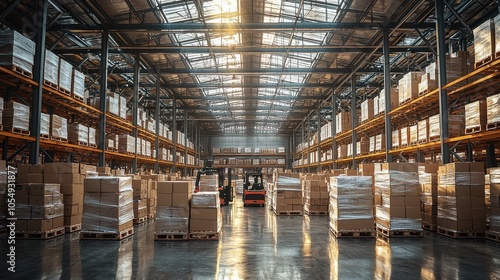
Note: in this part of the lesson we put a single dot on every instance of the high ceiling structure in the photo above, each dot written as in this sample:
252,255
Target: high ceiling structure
248,66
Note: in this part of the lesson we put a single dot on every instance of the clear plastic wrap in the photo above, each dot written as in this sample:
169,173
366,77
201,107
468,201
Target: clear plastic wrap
413,134
475,114
78,87
122,103
51,72
380,142
58,127
205,199
367,110
483,38
126,144
65,75
112,105
344,123
286,182
395,139
209,183
372,144
493,109
396,183
45,201
16,50
45,124
403,132
172,219
78,133
92,133
423,131
16,116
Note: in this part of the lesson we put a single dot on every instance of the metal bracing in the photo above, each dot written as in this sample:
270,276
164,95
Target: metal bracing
256,71
174,134
38,76
185,140
387,93
103,83
354,121
443,93
334,131
135,108
157,126
318,131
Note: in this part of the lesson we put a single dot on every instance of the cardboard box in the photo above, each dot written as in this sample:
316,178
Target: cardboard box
71,199
21,225
164,187
182,187
31,178
70,210
39,225
72,189
73,220
205,213
114,184
203,225
52,178
351,224
70,178
92,184
180,199
40,200
42,189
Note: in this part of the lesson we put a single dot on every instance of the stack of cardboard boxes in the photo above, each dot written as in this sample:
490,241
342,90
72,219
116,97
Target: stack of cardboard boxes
461,207
39,210
316,197
287,195
475,116
107,208
172,211
351,205
152,198
209,183
71,177
16,117
206,218
18,52
140,188
494,231
408,86
427,176
397,199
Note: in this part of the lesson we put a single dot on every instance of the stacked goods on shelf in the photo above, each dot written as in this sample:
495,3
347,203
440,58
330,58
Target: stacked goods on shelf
112,103
172,210
484,43
3,196
16,117
380,143
494,231
65,76
456,126
78,134
351,206
372,144
341,151
78,86
316,196
17,52
92,137
394,100
363,146
122,103
427,83
209,183
51,69
404,137
408,87
428,180
44,126
487,197
70,176
367,110
287,195
58,128
397,200
344,122
475,116
140,191
206,218
423,131
461,207
126,144
108,211
493,111
396,139
413,137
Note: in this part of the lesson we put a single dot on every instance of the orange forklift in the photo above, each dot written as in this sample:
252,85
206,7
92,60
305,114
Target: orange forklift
253,190
225,192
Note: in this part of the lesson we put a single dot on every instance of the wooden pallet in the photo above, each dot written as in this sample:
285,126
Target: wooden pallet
140,220
151,216
110,149
65,91
406,102
398,233
492,126
316,213
422,141
289,213
171,236
353,233
44,136
107,235
483,62
429,227
76,97
404,145
58,139
40,234
460,234
92,145
204,235
50,85
435,138
493,235
21,71
18,130
413,143
476,129
73,228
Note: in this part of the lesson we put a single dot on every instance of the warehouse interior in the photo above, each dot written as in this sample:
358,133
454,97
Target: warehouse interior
374,119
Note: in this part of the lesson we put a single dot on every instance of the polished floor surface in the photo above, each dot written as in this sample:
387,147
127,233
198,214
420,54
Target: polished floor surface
256,244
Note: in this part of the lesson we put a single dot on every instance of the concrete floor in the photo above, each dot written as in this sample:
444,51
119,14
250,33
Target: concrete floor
256,244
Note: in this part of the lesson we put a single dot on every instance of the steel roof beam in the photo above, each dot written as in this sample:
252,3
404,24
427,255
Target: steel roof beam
246,27
241,98
256,85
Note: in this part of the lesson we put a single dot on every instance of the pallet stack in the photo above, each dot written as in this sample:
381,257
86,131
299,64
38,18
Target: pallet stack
172,212
39,211
351,206
456,126
494,232
152,199
17,52
206,218
461,207
140,189
78,134
287,195
427,177
475,116
316,197
493,112
484,43
209,183
397,200
108,211
16,117
58,128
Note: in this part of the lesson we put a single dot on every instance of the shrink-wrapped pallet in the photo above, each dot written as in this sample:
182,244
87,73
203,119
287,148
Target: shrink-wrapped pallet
16,51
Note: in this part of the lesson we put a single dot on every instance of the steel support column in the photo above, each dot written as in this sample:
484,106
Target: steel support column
308,145
387,95
157,119
491,159
103,82
135,108
303,146
354,121
185,142
174,133
334,131
443,94
318,152
38,74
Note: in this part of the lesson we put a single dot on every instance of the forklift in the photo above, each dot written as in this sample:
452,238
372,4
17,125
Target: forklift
225,192
253,189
